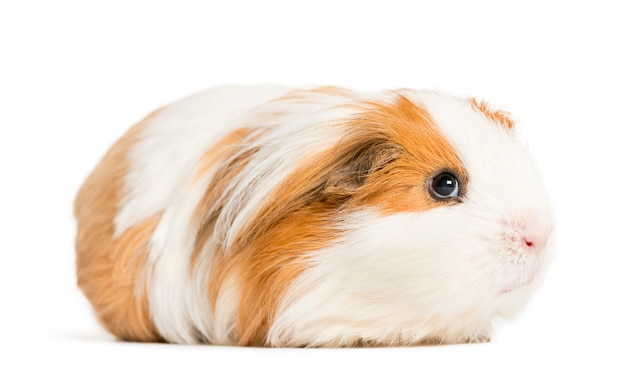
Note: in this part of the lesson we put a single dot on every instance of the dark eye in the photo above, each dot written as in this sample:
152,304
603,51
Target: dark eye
444,186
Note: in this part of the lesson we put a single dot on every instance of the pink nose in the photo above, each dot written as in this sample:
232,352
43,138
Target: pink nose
534,243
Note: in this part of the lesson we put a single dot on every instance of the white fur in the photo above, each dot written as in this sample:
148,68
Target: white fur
173,140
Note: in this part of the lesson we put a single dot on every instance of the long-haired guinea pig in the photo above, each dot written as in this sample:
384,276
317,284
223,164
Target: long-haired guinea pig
273,216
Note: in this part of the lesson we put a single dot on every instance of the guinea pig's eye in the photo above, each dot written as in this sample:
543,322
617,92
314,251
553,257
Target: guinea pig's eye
444,186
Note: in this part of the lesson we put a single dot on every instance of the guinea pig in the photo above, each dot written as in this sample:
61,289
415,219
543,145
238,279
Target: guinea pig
313,217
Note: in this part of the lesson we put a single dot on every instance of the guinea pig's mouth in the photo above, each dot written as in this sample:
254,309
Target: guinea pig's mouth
521,282
523,276
512,288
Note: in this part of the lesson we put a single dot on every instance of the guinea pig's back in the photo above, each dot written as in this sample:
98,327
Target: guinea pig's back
121,202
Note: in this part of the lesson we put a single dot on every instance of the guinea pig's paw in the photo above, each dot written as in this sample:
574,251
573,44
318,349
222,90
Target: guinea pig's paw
477,339
471,339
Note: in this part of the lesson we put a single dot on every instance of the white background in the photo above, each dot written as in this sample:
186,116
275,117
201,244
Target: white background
75,75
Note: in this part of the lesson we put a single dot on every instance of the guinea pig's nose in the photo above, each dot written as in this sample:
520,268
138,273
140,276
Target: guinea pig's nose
534,242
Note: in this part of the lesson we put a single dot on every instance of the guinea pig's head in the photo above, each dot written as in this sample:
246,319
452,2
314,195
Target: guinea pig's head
434,217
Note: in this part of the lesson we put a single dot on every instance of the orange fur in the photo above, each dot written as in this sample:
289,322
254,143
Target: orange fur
384,162
499,117
220,151
270,264
110,271
422,151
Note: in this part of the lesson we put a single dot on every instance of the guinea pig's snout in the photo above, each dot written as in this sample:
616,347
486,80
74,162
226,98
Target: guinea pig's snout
529,238
533,243
533,240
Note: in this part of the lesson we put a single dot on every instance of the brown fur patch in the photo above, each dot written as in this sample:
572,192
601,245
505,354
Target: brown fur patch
220,151
270,264
111,271
499,117
385,161
419,152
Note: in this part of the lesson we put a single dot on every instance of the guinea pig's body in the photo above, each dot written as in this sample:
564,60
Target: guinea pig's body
271,216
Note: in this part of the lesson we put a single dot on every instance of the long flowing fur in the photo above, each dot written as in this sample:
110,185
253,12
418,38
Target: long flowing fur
273,216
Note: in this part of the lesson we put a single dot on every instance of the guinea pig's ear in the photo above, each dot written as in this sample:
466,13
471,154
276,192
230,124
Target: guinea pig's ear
498,116
356,164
